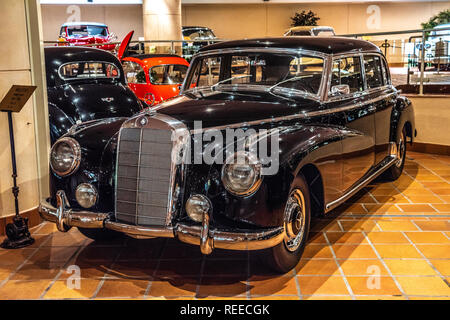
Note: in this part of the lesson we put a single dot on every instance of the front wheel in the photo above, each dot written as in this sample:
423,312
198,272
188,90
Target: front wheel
286,255
395,171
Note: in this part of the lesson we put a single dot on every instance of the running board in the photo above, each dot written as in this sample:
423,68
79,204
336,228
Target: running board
364,181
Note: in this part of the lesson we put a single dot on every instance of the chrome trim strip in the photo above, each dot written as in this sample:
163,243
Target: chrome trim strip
302,115
360,185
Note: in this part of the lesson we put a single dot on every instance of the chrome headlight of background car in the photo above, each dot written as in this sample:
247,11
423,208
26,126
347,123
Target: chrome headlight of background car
241,174
65,156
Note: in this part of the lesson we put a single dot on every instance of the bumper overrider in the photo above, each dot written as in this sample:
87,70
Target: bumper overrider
204,236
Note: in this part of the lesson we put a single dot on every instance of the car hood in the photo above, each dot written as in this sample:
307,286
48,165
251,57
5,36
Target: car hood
85,102
220,108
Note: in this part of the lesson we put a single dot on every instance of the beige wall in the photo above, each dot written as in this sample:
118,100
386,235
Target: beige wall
255,20
15,68
432,115
234,21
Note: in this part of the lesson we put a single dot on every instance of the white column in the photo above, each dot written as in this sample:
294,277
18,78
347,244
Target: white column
162,21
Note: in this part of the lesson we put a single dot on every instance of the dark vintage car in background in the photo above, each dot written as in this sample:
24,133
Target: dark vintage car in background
338,124
86,33
85,84
152,77
314,31
202,36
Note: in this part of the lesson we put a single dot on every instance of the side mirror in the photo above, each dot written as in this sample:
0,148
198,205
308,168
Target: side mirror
340,90
113,36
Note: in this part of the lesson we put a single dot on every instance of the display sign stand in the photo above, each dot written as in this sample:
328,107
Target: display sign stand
18,235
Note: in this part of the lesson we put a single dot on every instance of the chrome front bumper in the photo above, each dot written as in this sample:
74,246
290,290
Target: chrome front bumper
206,238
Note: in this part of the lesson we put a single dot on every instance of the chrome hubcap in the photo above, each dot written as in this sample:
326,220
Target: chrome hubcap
401,151
295,219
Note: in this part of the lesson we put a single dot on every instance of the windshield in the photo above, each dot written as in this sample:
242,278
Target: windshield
301,33
198,33
323,33
261,70
84,31
88,70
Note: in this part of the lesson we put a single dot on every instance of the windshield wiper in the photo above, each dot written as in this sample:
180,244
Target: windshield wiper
214,86
284,81
271,89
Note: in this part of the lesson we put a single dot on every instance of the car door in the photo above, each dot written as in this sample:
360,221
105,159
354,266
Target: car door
355,116
383,96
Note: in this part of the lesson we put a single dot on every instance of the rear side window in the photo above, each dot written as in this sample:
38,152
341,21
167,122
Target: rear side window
374,72
134,73
168,74
348,71
88,70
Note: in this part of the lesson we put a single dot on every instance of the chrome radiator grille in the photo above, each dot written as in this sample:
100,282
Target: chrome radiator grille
143,176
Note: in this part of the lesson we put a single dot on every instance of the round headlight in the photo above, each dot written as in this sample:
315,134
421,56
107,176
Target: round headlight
86,195
241,175
196,206
65,156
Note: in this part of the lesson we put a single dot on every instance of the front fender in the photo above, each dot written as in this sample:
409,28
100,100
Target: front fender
59,122
318,146
403,114
299,145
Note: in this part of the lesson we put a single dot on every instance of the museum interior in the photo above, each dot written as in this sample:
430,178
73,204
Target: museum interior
135,161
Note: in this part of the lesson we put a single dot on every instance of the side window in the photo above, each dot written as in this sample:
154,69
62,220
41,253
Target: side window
134,73
374,73
386,74
209,72
157,75
348,71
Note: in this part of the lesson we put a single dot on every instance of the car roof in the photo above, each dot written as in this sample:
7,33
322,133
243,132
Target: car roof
194,27
155,55
308,28
70,24
327,45
66,54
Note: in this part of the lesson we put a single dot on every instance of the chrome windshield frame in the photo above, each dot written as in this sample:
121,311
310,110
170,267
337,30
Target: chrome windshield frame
321,93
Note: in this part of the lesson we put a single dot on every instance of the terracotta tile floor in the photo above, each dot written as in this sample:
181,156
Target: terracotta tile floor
391,241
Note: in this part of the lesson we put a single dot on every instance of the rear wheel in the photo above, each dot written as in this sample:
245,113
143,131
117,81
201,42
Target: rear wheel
99,234
286,255
395,171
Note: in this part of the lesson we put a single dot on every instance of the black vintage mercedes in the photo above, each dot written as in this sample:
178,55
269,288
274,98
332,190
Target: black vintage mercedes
85,84
266,134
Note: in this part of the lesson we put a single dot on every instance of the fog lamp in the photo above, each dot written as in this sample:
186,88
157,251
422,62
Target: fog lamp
197,206
86,195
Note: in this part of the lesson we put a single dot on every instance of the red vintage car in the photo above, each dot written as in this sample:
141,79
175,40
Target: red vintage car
87,33
153,77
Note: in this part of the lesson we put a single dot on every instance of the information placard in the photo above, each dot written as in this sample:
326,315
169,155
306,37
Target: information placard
16,98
